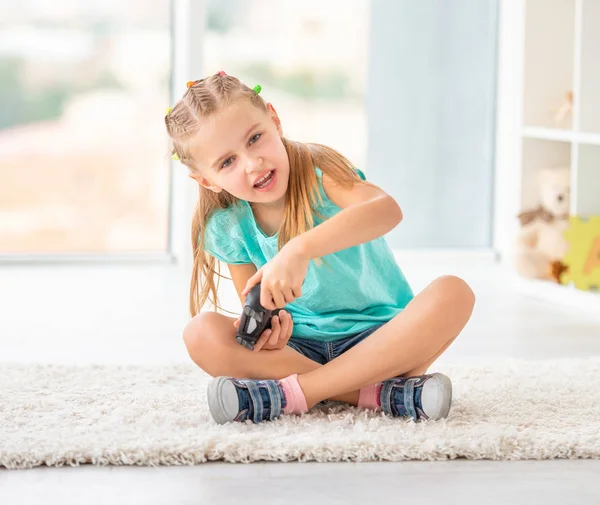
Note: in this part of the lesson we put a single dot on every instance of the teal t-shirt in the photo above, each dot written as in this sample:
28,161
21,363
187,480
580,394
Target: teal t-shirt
364,285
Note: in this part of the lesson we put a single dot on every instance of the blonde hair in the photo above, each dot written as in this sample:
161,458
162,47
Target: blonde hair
205,97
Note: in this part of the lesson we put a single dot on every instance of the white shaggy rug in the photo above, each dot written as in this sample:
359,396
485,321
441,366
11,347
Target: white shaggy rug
135,415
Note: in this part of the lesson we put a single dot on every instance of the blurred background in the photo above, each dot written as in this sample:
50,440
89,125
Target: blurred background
455,109
84,85
82,158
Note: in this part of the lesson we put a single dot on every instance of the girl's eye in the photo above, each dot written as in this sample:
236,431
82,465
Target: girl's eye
229,161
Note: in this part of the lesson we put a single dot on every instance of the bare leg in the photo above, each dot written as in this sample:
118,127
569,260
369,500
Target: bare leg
407,344
210,340
422,369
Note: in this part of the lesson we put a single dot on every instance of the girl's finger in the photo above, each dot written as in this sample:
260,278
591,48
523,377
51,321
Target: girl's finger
266,298
285,324
252,281
290,321
262,340
278,298
289,295
276,330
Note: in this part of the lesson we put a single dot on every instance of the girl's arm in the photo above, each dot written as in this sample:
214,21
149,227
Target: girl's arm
367,213
240,275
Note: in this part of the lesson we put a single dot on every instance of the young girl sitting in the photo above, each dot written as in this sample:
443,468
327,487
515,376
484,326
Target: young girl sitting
304,223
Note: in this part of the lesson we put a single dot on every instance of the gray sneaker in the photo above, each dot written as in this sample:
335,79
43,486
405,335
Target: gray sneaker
239,400
423,397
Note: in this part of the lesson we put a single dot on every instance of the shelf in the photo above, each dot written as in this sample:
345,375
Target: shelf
539,154
589,107
587,183
549,61
533,132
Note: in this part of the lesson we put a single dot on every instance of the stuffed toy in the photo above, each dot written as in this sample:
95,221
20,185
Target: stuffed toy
541,244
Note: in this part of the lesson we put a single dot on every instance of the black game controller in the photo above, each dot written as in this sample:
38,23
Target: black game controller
254,320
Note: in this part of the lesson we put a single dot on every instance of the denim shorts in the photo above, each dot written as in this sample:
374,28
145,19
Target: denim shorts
323,352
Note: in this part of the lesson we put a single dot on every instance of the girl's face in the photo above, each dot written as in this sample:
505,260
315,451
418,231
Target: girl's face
237,148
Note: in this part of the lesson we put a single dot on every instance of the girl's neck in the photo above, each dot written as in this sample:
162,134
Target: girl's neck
268,215
270,207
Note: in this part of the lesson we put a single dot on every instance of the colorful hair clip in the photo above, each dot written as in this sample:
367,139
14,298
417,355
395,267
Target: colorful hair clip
175,156
169,109
189,84
257,89
222,73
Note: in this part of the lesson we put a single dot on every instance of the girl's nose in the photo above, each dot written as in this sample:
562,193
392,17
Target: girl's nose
254,164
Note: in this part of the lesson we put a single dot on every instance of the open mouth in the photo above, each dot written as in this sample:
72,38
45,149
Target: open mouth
265,181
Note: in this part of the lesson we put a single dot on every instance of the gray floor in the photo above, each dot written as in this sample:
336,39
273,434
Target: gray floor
134,314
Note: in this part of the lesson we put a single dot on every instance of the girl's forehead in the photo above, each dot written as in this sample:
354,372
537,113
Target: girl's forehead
233,118
229,124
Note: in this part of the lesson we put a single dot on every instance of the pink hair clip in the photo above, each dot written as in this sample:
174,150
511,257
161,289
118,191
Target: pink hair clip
222,72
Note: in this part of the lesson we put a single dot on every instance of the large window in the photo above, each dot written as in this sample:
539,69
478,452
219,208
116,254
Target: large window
83,90
310,58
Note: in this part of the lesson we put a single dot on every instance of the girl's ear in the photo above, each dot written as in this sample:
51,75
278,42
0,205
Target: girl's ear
205,183
275,118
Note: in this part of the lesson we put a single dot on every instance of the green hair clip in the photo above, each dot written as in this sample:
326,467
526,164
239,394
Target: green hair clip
257,88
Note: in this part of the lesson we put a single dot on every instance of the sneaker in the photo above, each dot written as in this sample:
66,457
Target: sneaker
423,397
231,399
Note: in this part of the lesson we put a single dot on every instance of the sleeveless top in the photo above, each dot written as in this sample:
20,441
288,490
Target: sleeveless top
363,285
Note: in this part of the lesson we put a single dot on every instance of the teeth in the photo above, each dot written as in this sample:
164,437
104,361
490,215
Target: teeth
264,179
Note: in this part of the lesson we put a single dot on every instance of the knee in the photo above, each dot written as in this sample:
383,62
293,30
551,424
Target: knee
197,334
205,343
456,291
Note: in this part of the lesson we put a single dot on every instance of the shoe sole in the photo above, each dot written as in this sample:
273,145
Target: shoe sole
436,396
222,400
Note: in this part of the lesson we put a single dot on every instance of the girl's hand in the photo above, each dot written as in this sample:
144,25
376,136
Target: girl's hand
279,334
281,278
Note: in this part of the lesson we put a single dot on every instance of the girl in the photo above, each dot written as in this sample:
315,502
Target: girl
302,221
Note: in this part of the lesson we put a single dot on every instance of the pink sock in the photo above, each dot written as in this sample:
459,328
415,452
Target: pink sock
294,396
369,397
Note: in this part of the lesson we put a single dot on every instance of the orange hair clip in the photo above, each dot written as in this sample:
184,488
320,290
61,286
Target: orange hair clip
190,83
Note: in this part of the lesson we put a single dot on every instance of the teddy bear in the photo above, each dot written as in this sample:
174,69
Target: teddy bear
541,243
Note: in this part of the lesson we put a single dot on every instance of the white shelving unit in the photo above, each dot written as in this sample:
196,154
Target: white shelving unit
546,50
